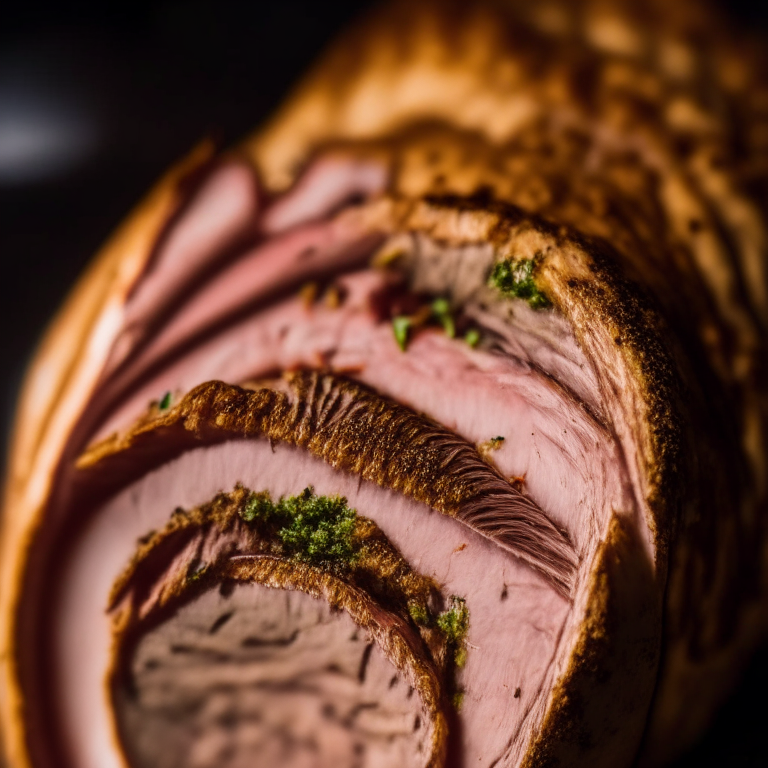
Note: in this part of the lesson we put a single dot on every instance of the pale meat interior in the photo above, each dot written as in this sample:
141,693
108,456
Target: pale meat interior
261,676
233,311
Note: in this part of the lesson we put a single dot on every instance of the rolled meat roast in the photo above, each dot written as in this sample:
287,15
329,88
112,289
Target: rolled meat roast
425,428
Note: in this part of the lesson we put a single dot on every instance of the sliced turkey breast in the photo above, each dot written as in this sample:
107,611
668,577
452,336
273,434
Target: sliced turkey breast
408,433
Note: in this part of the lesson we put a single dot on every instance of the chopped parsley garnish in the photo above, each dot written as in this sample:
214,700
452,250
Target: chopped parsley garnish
313,529
441,309
401,326
472,337
514,278
455,624
419,613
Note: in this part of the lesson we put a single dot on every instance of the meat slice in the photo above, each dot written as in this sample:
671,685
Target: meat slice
489,467
308,662
405,434
285,681
355,431
533,611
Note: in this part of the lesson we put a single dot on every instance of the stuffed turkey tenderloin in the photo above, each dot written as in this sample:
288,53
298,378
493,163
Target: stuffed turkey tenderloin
352,473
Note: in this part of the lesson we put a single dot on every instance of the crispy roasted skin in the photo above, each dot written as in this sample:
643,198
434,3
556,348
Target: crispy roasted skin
625,145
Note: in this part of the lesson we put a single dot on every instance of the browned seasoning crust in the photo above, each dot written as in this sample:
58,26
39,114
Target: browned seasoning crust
593,718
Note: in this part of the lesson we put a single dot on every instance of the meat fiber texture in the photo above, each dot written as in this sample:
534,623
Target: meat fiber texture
426,427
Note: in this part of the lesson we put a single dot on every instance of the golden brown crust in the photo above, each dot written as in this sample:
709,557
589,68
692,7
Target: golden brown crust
641,127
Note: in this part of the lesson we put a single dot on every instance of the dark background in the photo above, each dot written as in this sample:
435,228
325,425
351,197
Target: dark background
95,102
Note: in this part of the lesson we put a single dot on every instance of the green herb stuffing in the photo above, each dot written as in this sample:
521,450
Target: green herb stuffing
514,278
258,507
472,337
455,621
441,309
165,403
313,529
400,327
320,527
455,624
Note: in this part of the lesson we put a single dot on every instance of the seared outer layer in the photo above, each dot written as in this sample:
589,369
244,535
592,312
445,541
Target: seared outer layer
55,391
613,663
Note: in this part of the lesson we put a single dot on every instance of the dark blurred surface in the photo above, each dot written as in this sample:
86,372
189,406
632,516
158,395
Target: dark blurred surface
95,102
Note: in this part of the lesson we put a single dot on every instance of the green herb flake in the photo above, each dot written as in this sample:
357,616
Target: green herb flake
457,700
472,337
418,613
313,529
401,326
441,309
259,507
514,278
165,402
196,573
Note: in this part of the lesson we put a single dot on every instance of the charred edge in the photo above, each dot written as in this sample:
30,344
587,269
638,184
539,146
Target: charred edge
612,669
356,430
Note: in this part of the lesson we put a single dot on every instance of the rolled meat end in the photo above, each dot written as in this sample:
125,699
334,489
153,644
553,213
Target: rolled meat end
368,464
